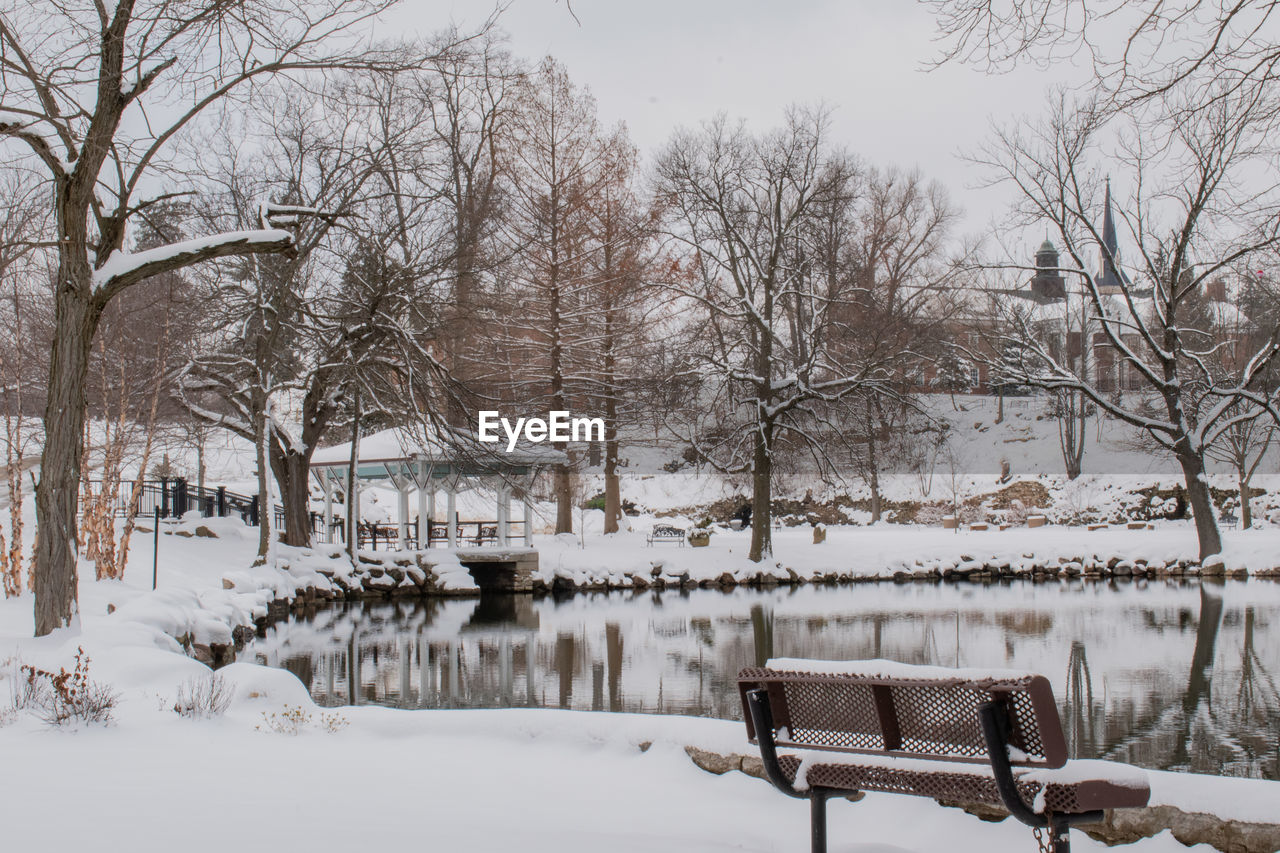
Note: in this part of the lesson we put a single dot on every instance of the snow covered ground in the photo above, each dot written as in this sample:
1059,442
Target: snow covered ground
472,780
491,780
469,780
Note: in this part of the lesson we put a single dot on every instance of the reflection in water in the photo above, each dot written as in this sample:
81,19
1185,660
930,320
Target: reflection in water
1133,665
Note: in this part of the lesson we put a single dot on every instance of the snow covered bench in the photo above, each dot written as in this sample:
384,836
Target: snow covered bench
665,533
962,735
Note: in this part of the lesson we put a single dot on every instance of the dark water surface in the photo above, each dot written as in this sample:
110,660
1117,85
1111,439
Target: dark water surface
1162,674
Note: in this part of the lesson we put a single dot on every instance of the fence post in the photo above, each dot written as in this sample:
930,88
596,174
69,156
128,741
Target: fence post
222,501
155,551
180,496
253,512
164,497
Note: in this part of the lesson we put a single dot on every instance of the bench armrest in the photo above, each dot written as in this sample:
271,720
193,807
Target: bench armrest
762,721
995,730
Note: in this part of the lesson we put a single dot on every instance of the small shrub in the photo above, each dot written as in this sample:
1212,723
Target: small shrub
333,723
202,698
65,698
290,721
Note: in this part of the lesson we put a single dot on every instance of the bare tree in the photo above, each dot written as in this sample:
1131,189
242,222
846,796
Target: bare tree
560,158
1243,445
1140,50
900,308
470,96
626,320
104,131
750,210
1189,219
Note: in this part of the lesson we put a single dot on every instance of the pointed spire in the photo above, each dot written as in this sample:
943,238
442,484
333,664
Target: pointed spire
1109,225
1109,275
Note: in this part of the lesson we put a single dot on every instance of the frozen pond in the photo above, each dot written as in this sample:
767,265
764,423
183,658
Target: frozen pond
1160,674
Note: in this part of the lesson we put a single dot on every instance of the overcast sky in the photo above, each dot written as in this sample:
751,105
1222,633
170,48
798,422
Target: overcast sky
659,64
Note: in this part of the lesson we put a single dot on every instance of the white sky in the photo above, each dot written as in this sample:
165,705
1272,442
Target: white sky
659,64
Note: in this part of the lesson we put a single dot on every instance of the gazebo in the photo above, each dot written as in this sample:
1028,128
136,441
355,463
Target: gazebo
429,461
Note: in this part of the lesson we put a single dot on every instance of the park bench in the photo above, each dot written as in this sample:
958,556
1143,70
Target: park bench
485,533
665,533
957,735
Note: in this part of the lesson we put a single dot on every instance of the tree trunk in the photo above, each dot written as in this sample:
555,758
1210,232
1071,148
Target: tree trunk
761,497
612,489
56,550
873,468
1071,425
612,492
564,500
292,471
1246,512
352,497
200,467
266,512
1201,502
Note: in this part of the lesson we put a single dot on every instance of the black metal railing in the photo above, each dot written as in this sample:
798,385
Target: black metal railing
175,497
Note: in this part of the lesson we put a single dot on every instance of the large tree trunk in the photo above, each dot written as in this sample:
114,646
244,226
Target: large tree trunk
1200,500
75,319
292,472
564,500
761,497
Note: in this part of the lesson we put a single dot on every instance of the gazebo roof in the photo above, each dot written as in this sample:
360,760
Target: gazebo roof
434,453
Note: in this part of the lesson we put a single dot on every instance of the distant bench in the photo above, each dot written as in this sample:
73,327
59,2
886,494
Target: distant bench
666,533
960,735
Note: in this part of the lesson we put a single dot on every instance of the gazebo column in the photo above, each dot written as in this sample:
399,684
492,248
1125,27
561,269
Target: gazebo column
451,521
424,518
528,520
504,515
403,533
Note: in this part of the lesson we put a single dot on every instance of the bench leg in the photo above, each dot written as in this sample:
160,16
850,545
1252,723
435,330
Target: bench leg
818,819
1060,837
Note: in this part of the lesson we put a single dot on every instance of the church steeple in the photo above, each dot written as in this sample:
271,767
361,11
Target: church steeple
1110,279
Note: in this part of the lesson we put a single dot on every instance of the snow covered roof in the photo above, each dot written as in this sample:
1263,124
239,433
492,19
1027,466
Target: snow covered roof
1226,315
438,448
1061,309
